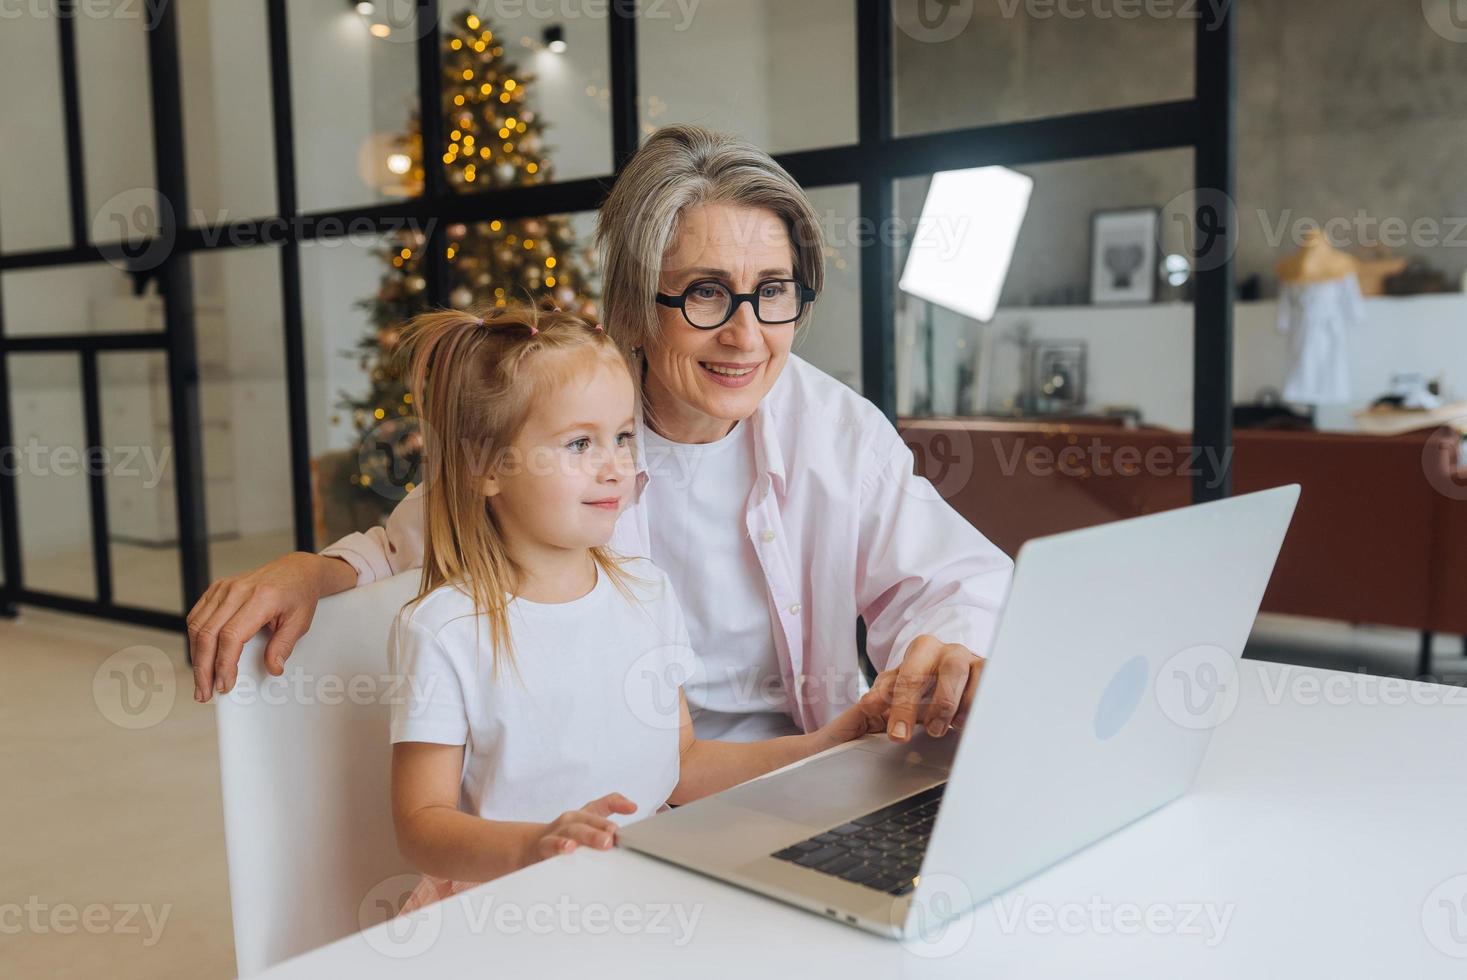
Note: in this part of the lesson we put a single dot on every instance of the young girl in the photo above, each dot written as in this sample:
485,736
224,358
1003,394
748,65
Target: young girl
544,672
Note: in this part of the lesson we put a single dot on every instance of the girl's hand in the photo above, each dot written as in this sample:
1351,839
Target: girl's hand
862,718
589,826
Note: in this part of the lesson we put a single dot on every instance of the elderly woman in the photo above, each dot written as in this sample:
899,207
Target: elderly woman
781,504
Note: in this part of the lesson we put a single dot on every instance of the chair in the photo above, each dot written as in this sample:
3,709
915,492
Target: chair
305,762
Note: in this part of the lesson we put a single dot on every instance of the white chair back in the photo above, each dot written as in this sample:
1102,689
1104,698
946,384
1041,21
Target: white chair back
305,762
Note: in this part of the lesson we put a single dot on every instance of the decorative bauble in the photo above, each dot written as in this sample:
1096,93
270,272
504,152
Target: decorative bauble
461,297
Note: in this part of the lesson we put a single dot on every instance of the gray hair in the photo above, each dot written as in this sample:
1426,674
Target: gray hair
681,167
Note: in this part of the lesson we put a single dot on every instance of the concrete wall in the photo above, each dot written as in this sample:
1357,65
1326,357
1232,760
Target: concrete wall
1346,108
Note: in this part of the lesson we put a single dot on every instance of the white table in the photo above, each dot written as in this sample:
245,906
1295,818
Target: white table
1327,833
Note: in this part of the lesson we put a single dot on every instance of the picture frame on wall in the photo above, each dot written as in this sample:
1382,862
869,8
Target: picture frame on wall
1123,256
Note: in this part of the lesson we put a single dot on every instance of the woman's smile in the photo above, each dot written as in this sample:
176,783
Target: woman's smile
731,374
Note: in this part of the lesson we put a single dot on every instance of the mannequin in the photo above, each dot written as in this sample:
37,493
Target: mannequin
1317,261
1319,302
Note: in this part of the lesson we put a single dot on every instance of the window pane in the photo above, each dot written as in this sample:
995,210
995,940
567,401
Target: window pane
993,61
832,339
77,299
781,74
354,95
117,119
53,499
142,515
1349,179
225,60
517,110
337,276
1083,216
34,213
1301,167
356,294
243,403
1072,406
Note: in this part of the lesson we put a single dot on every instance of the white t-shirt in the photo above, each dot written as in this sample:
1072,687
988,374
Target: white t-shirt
696,498
589,708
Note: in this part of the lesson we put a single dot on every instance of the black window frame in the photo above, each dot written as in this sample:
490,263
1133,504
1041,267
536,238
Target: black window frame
1204,123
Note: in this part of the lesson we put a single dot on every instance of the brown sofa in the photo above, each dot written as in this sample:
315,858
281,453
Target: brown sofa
1380,534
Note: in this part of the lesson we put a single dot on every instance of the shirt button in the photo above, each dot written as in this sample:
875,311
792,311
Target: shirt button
795,609
767,536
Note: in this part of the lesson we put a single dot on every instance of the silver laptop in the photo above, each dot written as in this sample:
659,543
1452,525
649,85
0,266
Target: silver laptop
1114,659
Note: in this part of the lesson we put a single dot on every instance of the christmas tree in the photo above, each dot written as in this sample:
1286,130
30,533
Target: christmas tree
494,139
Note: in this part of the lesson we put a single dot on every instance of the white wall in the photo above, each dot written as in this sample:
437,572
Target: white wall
1142,356
32,179
713,70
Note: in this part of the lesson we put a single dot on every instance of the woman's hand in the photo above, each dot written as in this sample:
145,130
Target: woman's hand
589,826
282,595
933,686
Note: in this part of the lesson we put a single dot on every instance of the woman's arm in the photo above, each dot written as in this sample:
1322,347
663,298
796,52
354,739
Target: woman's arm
707,767
929,587
392,547
439,839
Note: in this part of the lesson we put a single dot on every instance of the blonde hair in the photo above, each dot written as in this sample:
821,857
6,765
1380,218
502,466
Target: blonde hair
680,167
475,377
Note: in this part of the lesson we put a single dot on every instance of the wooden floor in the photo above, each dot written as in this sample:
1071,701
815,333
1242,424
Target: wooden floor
106,826
127,820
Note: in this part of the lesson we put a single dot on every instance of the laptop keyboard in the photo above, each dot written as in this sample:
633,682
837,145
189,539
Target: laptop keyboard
881,850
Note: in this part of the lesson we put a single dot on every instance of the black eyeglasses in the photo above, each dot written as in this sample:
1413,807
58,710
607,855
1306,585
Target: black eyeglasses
708,304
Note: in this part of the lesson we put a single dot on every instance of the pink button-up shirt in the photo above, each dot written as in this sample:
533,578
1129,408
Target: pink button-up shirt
842,528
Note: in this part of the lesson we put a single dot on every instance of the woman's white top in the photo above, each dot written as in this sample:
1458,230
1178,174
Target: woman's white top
1318,318
589,708
841,527
699,494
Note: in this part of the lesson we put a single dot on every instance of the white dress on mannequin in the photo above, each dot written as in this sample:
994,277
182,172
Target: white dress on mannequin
1318,317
